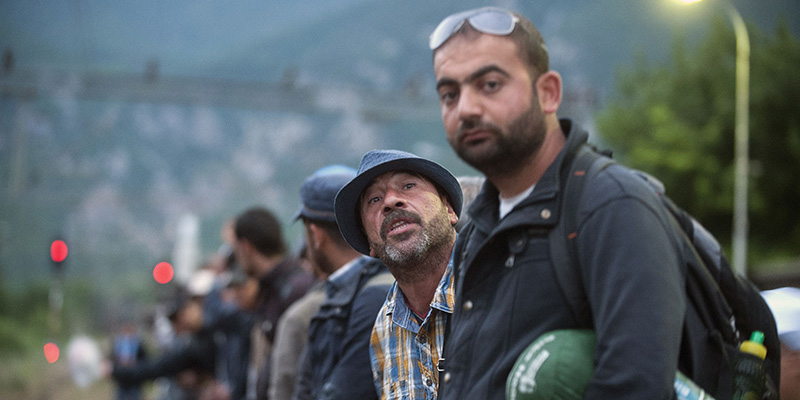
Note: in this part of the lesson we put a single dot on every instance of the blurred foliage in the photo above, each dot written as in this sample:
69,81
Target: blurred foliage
31,377
26,324
676,121
27,321
23,319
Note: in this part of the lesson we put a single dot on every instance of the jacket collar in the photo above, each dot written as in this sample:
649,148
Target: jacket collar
342,288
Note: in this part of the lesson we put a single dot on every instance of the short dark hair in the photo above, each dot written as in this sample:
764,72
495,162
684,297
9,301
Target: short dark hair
262,229
531,46
331,228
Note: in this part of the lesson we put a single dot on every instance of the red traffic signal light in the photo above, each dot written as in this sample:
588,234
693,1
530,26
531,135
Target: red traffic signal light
58,251
163,272
51,352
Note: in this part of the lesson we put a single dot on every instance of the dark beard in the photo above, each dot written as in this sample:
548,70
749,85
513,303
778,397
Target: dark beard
507,152
322,261
411,262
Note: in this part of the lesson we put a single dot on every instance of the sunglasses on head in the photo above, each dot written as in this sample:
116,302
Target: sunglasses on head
491,20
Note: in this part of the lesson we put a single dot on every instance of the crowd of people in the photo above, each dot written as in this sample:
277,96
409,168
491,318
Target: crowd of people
415,284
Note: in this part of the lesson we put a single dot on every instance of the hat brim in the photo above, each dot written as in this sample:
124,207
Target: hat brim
348,216
304,213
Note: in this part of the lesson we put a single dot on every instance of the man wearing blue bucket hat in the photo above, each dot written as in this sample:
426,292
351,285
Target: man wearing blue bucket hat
402,209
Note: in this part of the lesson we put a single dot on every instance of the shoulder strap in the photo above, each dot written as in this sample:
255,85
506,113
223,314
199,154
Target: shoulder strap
563,248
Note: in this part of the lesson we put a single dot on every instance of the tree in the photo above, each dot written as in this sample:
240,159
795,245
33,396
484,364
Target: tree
676,121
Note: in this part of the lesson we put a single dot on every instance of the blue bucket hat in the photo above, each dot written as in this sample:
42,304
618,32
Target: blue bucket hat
318,192
374,164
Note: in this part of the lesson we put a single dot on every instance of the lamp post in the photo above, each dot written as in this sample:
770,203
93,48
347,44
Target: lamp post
741,137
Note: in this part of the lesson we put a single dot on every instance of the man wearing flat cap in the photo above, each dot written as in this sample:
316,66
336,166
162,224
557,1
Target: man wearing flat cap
402,209
335,362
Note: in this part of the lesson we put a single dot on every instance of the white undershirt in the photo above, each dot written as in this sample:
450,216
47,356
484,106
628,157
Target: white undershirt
506,205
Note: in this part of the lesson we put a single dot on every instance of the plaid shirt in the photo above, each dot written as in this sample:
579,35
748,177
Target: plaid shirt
404,354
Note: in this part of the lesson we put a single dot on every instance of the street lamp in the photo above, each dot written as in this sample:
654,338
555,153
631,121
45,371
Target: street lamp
742,138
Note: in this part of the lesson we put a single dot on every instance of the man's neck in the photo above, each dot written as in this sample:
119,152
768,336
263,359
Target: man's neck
420,292
529,173
342,256
266,264
343,267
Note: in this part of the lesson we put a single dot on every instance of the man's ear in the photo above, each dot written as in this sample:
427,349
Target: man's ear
316,236
548,89
451,212
246,246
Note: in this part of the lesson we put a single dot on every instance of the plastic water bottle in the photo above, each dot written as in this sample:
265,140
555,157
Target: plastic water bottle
686,389
749,375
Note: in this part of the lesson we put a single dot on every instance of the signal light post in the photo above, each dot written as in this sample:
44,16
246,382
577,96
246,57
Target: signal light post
58,254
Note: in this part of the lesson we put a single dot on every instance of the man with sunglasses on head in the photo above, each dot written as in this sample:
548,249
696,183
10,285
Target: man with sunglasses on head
498,101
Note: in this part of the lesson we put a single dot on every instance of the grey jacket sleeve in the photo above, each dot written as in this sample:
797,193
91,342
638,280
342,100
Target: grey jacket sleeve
632,271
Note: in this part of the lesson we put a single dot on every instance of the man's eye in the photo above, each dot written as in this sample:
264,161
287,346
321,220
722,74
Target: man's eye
409,185
491,86
373,200
447,96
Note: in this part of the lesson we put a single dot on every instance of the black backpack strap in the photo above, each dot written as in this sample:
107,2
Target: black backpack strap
563,248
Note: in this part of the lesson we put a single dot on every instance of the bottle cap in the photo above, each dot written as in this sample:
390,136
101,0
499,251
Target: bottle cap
755,345
757,337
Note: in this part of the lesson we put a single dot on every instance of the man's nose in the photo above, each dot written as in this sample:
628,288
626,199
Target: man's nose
470,106
391,201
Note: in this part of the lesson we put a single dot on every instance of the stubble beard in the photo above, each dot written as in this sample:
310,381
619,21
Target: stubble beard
323,263
502,154
248,268
407,256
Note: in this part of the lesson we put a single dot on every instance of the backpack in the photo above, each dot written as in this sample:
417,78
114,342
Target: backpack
722,306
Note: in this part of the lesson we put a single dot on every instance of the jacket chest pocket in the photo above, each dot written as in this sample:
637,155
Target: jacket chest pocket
527,291
527,245
329,321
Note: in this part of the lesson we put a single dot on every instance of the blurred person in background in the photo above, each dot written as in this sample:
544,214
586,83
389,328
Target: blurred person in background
190,359
261,253
230,323
785,305
219,268
470,187
128,349
291,335
336,363
402,209
207,332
